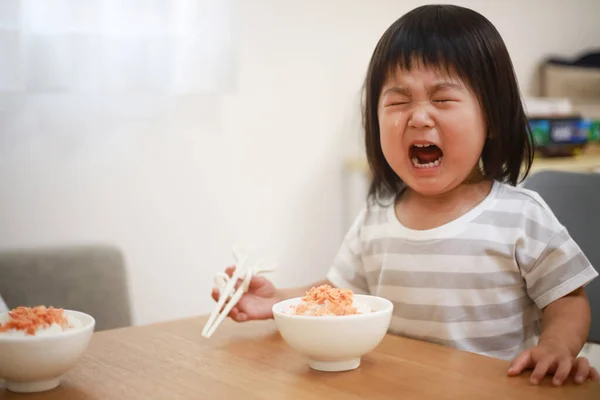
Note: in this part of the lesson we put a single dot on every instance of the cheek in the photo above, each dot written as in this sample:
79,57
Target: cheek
478,137
390,135
468,131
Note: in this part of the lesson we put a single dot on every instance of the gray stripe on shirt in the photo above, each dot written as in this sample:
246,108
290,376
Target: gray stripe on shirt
506,219
577,264
500,342
527,263
446,280
466,247
440,313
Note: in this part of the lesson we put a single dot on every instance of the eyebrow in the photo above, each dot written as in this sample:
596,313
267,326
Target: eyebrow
445,85
436,88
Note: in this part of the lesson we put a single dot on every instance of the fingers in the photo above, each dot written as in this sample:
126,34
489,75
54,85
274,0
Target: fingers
235,312
230,270
559,366
257,281
240,317
594,375
237,315
582,369
541,369
563,371
520,363
215,294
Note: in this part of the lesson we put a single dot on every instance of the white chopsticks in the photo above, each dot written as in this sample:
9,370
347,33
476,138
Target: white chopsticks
244,269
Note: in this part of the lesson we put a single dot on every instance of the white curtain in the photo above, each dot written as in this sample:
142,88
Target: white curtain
112,46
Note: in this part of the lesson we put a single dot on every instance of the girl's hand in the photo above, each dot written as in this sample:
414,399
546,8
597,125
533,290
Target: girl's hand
553,359
256,303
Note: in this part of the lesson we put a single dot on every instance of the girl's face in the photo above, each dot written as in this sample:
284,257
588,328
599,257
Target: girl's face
432,129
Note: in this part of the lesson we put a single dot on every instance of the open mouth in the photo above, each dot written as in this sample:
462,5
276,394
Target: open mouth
426,155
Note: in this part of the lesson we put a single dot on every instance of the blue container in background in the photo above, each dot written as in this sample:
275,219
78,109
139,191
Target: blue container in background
560,136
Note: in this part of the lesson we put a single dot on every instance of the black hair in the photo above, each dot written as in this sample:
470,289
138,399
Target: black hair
463,41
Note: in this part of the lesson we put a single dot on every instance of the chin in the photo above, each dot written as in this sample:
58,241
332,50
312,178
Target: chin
431,183
429,189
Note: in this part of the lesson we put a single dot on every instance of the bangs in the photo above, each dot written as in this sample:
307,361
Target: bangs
432,39
413,51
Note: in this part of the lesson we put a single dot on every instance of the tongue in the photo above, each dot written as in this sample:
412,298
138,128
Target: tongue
428,154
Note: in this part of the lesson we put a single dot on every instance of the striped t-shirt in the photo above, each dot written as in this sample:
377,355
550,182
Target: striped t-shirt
477,283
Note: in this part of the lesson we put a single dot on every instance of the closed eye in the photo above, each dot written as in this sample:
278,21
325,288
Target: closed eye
398,103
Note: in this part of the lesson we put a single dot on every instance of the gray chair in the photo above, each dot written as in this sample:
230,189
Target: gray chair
91,279
575,200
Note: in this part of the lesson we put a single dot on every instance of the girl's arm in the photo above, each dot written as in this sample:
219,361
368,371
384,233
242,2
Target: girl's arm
565,327
567,321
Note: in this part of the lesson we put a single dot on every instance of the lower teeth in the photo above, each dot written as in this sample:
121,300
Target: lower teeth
417,164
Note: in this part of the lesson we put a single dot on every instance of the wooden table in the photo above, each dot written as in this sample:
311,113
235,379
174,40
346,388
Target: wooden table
250,361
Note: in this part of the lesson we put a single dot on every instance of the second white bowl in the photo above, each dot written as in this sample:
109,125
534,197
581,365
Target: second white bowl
35,363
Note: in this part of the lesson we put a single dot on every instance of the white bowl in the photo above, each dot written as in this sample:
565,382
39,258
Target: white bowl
31,364
334,343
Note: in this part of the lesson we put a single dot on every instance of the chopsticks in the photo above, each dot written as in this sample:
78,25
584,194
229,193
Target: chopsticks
244,268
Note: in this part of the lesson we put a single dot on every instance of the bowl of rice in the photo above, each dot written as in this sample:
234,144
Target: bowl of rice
39,344
333,327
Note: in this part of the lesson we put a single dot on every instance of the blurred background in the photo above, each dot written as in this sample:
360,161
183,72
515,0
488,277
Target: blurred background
168,131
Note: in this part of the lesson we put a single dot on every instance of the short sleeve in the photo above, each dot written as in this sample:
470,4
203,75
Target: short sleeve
3,307
346,271
561,268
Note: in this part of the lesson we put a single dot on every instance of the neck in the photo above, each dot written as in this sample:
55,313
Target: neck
475,186
475,192
426,212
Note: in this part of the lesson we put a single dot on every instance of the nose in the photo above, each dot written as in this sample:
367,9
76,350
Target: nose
420,118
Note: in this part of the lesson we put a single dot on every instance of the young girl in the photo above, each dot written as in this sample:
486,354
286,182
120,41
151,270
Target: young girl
469,259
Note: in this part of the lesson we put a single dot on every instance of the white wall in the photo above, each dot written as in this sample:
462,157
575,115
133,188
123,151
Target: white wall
175,181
